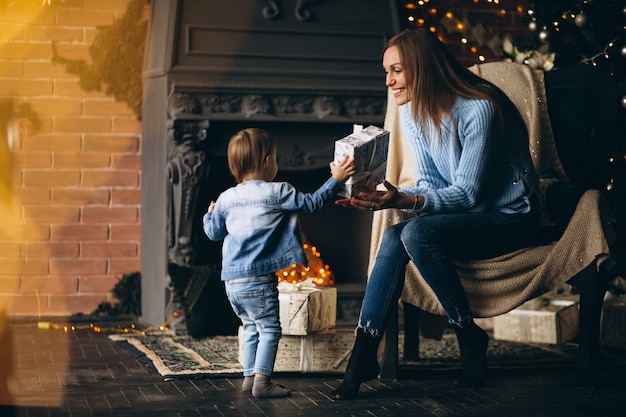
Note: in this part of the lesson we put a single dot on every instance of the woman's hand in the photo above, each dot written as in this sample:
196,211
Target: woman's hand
374,199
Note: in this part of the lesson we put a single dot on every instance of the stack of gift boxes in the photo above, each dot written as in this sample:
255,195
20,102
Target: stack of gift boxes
310,342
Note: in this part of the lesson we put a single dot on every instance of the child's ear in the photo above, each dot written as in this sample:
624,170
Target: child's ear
266,161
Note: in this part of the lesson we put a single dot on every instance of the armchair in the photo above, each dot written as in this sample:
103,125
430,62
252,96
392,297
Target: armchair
567,112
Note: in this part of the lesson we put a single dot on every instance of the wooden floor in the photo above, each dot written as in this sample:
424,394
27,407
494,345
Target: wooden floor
83,373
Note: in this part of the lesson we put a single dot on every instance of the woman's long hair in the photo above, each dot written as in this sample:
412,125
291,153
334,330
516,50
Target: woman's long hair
434,79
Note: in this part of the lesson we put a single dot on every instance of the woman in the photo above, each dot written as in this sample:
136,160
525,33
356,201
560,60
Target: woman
474,196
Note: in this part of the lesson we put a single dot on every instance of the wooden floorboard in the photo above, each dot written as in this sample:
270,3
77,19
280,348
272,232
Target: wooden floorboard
82,373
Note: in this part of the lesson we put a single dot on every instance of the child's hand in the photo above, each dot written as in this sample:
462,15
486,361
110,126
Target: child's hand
342,171
211,207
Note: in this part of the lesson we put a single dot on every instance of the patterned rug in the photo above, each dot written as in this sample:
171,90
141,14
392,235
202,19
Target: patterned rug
176,357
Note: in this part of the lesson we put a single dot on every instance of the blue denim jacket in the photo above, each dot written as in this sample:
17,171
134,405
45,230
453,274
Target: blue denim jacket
258,221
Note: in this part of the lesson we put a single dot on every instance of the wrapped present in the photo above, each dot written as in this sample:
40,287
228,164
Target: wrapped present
306,308
368,147
542,320
614,323
327,351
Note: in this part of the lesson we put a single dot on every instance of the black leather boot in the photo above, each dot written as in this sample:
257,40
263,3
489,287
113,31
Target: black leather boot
473,343
362,366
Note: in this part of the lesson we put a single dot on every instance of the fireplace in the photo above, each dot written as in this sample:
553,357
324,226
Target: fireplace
305,70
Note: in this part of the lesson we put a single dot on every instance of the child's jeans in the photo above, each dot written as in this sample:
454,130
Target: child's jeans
255,301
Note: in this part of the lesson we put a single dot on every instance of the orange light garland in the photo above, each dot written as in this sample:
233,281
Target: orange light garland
321,273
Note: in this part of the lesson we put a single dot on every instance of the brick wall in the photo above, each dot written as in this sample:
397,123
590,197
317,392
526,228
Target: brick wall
72,227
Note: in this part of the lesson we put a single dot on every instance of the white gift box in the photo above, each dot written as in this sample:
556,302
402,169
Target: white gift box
542,320
306,308
369,148
327,351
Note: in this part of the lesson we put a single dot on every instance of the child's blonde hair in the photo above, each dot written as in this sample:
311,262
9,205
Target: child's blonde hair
247,151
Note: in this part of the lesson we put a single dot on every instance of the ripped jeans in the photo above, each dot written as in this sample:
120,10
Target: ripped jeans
431,242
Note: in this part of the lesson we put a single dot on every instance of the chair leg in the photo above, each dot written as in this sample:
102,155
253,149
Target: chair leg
411,332
592,287
389,363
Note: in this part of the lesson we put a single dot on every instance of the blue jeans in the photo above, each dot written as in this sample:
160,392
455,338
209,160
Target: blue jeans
431,242
255,301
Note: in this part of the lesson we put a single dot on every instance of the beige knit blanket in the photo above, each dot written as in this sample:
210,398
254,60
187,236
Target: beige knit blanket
498,285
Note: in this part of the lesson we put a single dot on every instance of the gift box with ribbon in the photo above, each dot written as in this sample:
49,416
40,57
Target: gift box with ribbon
306,308
326,351
541,320
369,148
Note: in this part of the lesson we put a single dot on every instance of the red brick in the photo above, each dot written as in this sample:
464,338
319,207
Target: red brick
21,87
9,285
74,51
46,122
74,304
110,178
81,159
10,213
115,5
80,196
78,17
52,143
54,33
25,305
13,31
126,160
82,124
126,196
126,126
32,159
46,69
24,267
52,249
11,249
56,106
109,249
77,266
70,88
11,68
25,50
95,214
28,231
52,214
22,12
102,107
78,232
111,143
97,284
42,177
125,232
33,195
49,285
124,265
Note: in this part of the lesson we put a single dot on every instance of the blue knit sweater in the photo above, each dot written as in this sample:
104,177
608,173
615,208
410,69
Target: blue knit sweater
479,171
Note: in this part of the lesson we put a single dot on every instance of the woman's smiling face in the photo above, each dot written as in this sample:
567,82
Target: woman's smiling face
394,75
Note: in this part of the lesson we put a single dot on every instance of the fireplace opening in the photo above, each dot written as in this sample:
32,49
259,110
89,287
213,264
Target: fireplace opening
341,235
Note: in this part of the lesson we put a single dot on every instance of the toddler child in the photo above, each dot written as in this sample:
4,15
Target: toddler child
258,221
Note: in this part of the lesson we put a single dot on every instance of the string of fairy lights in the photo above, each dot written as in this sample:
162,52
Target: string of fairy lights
482,40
